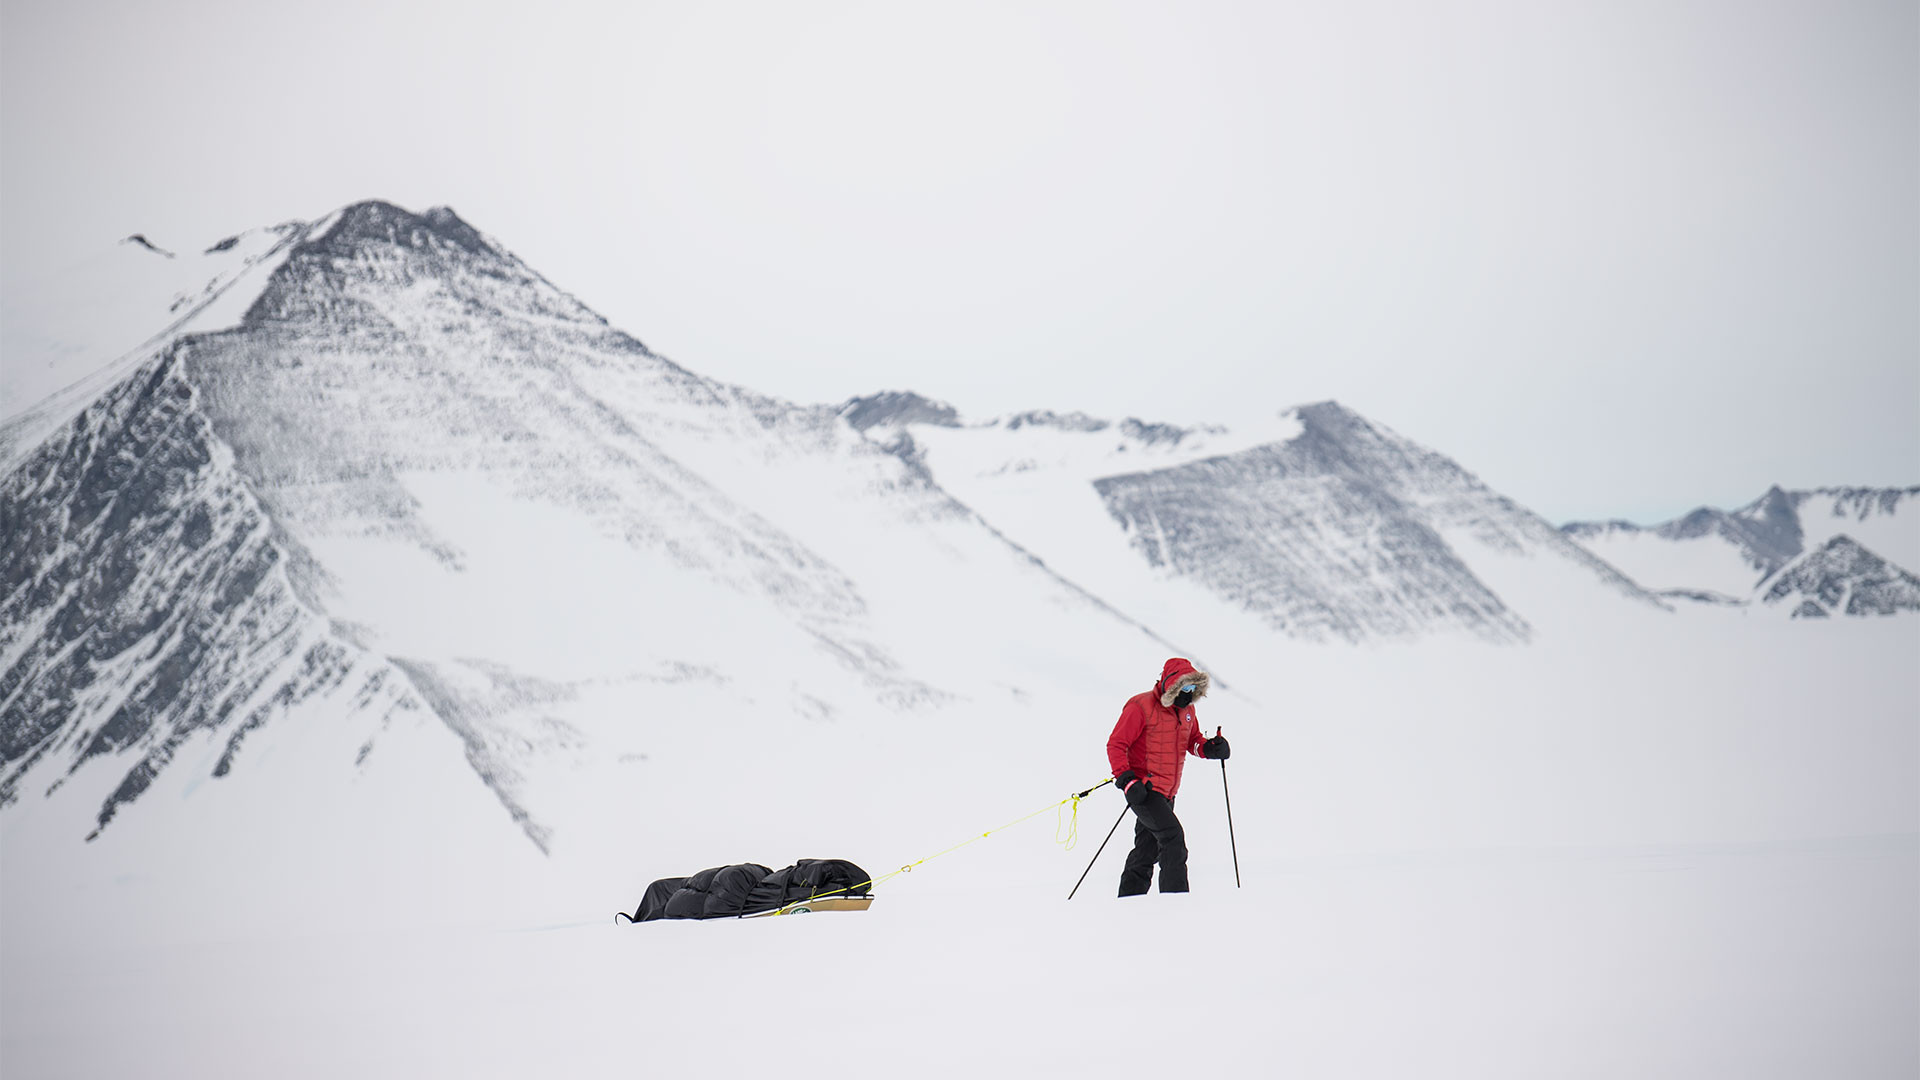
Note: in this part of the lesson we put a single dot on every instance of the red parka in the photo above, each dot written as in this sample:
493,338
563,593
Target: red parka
1153,739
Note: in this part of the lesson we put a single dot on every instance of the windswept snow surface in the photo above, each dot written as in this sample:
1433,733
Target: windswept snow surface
1688,851
1658,963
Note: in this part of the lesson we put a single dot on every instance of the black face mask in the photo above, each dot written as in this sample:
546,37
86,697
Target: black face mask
1184,698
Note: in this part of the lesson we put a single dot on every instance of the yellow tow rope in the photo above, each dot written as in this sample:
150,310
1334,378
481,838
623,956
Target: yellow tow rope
1070,825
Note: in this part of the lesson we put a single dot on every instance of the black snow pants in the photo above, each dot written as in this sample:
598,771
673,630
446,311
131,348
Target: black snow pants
1157,836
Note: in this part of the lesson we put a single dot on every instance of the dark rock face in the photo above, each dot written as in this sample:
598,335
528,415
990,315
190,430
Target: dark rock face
1075,421
141,240
1586,530
1769,527
1337,532
143,595
1859,503
1152,434
1700,596
1841,576
895,407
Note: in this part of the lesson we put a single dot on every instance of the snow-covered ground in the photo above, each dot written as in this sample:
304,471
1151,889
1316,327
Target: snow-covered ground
1786,961
1685,851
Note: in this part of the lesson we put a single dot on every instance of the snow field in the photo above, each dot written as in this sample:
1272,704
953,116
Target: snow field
1782,962
1690,852
1655,562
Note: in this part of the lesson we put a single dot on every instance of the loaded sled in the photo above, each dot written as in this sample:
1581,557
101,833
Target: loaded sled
749,889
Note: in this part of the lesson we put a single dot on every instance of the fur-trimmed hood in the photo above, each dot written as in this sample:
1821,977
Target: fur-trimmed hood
1176,674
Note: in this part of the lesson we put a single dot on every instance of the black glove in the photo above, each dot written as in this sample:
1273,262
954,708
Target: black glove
1216,747
1137,794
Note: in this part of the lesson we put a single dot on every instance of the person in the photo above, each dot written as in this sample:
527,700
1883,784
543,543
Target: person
1148,750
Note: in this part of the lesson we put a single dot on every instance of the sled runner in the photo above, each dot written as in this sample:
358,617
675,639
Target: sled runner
827,903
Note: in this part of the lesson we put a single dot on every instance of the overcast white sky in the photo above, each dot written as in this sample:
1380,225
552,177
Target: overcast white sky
1619,258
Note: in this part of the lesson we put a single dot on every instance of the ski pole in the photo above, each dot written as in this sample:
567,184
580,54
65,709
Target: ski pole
1096,855
1228,792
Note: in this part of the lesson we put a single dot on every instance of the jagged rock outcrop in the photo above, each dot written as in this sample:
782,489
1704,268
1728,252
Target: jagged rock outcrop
897,408
1841,577
146,600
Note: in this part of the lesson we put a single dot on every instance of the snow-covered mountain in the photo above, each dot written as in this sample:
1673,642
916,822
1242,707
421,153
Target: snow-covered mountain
1324,526
421,480
1735,556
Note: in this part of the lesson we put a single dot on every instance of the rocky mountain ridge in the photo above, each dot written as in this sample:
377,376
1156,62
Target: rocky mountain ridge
1740,556
1324,527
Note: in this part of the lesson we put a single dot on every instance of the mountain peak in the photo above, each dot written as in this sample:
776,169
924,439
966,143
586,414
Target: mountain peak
1773,505
1337,439
377,221
1330,422
1328,414
1771,525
